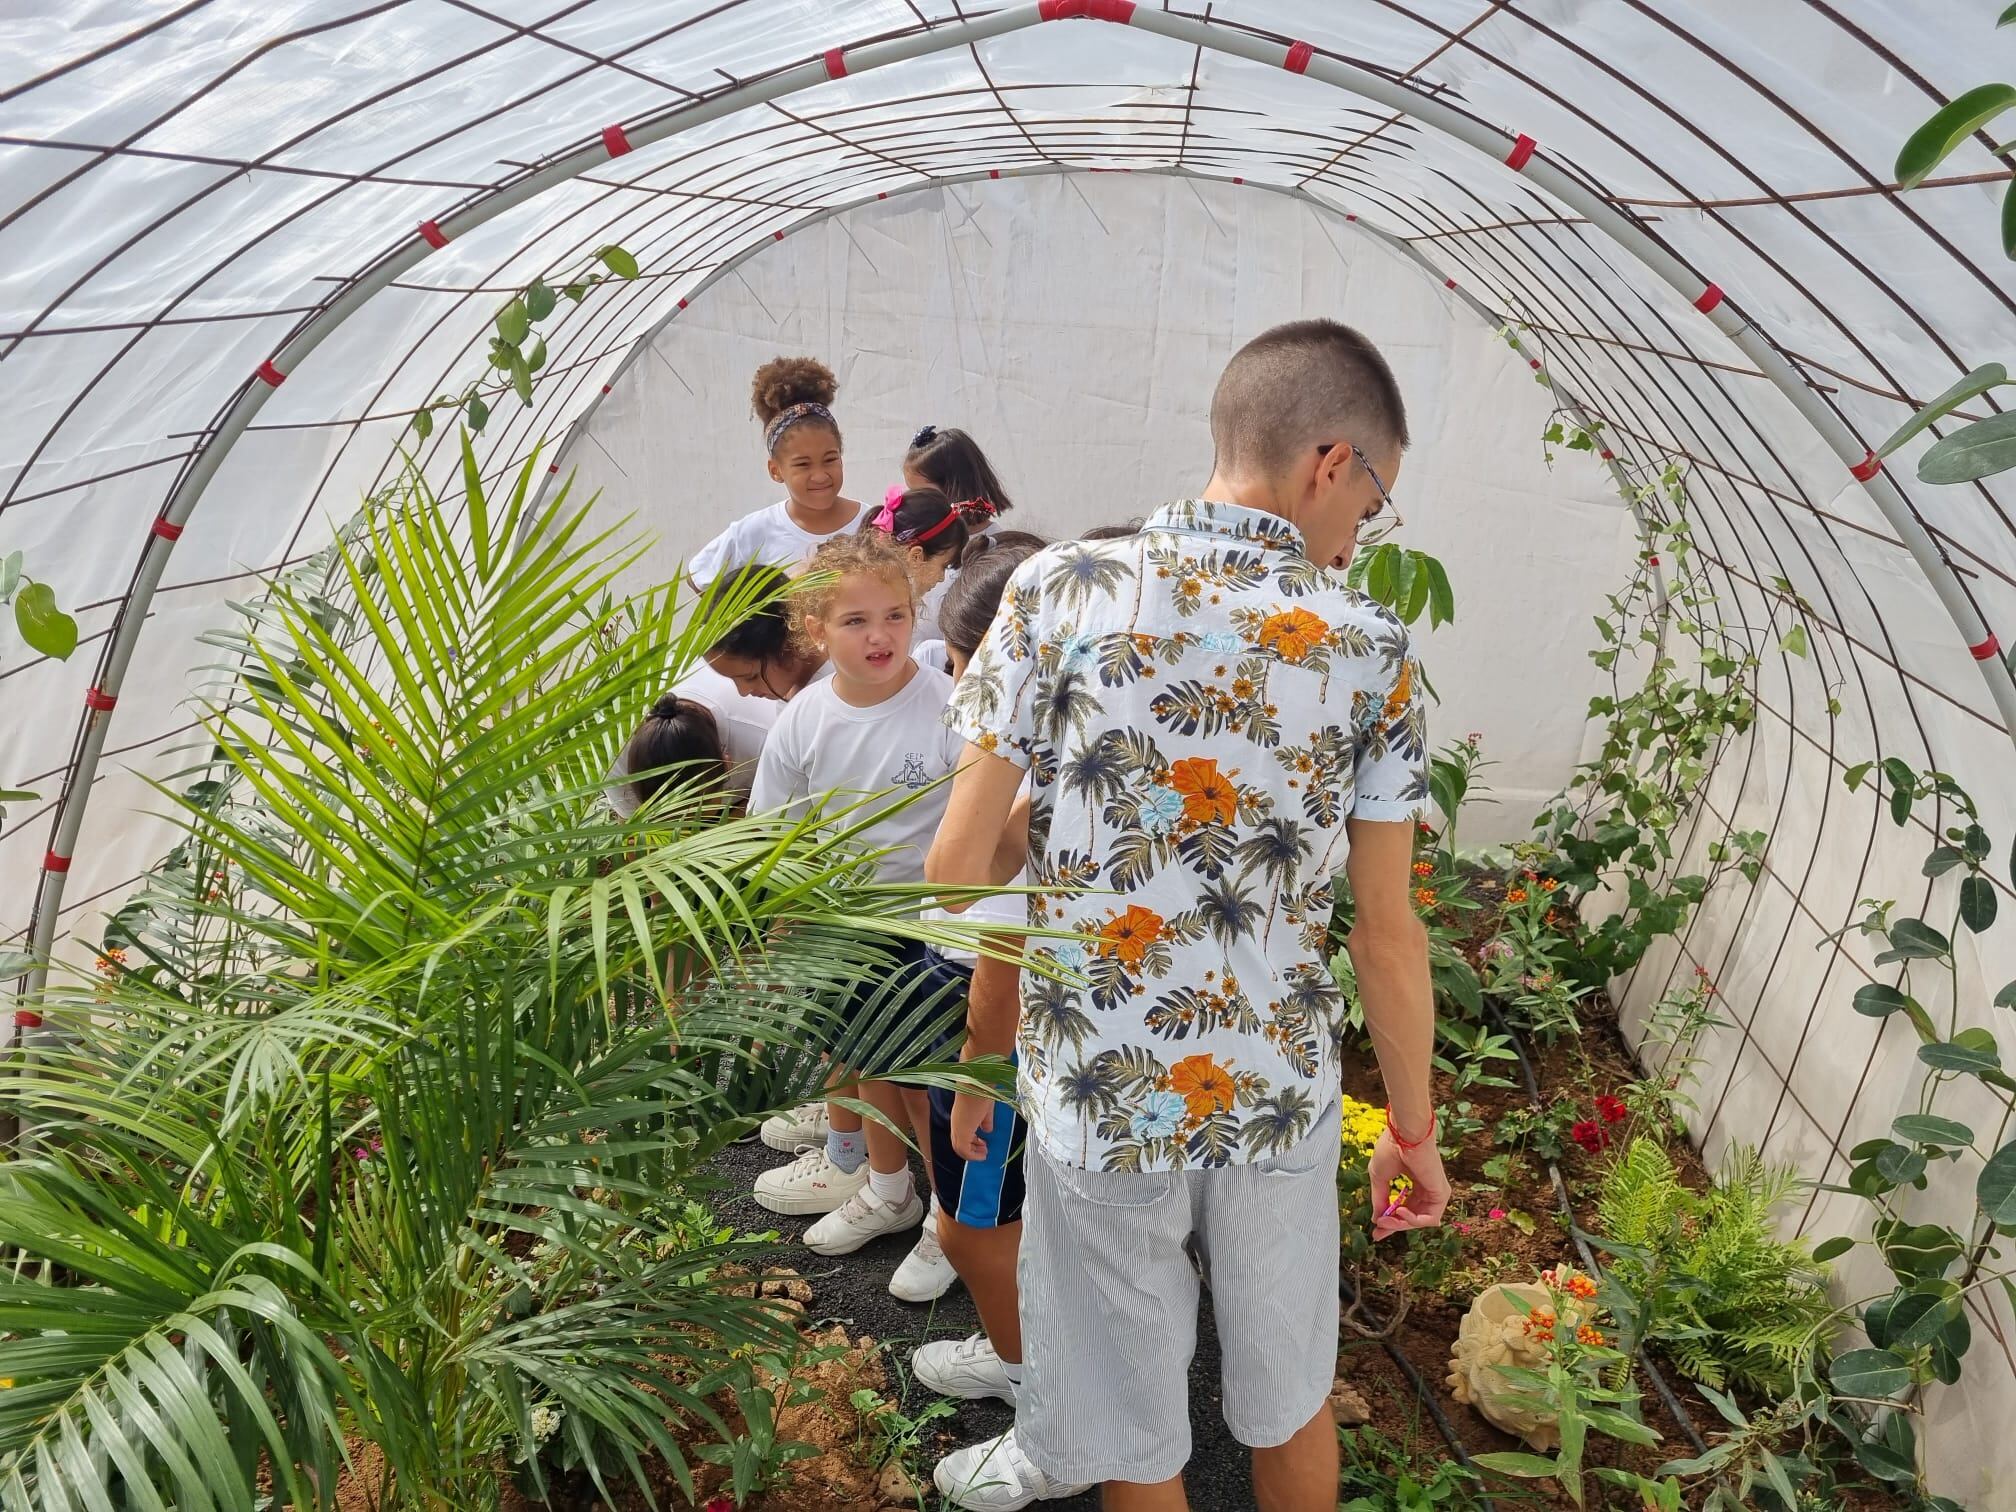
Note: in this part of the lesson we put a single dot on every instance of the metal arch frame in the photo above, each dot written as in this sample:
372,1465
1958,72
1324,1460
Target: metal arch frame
1517,152
641,343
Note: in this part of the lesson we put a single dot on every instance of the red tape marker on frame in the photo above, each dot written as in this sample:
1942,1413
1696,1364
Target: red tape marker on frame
1521,153
1298,58
1710,297
433,235
104,703
268,374
1986,649
615,140
1867,468
55,863
836,63
167,529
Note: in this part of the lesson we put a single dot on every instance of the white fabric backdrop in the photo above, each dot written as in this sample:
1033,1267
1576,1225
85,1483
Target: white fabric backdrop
1030,313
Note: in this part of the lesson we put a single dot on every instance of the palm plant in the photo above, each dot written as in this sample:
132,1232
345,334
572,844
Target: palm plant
410,1026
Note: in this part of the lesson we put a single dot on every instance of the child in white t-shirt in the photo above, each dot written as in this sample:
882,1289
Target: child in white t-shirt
793,397
875,726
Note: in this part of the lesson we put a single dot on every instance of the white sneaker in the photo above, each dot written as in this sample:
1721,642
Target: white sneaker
810,1184
996,1477
803,1125
862,1217
925,1274
966,1370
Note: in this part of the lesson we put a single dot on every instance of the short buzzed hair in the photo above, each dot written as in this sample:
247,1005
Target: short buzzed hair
1307,383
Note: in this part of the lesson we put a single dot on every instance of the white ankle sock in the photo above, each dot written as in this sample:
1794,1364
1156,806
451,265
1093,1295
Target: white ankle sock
1013,1370
893,1187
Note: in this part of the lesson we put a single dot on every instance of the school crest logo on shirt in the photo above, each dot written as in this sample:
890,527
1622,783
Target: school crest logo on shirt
912,774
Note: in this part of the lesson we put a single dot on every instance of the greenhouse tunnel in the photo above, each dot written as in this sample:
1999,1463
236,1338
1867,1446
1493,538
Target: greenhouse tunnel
244,244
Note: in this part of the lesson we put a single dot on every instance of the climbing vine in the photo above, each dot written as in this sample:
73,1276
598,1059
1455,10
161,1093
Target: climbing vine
517,350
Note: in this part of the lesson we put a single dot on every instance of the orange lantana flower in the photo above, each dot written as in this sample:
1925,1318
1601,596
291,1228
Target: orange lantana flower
1515,895
1203,1084
1425,897
1129,935
1424,868
1292,634
1208,794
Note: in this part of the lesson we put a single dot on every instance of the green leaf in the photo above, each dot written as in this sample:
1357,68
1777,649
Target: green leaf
43,626
536,358
514,322
1914,940
1879,1000
1794,642
576,291
2006,998
1930,1129
1898,774
521,378
1978,449
1985,377
2009,222
1526,1466
1932,143
539,300
1995,1189
10,574
1977,903
16,795
1900,1165
1901,799
618,261
1831,1249
1857,774
1870,1373
1951,1055
1441,598
1943,859
423,423
477,411
2007,17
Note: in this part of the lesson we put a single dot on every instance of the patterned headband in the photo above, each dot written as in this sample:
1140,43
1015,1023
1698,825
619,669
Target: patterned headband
810,410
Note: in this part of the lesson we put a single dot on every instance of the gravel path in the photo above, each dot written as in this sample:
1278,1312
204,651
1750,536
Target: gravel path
854,1291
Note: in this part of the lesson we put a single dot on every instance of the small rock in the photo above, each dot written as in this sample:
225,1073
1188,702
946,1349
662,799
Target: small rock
895,1485
1349,1404
787,1283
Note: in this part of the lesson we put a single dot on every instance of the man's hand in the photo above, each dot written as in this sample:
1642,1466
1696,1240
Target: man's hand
1395,1213
972,1117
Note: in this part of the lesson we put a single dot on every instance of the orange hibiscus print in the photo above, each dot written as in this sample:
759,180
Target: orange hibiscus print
1203,1084
1208,794
1403,692
1292,634
1129,935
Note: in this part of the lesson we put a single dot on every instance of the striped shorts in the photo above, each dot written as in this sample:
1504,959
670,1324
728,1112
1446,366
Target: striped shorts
1109,1306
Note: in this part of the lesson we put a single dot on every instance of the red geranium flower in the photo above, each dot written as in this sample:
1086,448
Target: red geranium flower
1612,1109
1589,1134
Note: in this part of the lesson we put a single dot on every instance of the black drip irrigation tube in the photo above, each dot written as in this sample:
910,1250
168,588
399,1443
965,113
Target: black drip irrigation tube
1423,1392
1590,1264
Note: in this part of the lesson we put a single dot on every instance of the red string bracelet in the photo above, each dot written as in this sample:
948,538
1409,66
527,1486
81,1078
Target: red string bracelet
1393,1128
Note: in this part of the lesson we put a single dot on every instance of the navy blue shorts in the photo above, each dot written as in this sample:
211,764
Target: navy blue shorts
933,994
978,1193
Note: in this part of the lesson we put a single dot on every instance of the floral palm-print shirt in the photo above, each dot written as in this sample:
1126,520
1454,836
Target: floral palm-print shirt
1200,708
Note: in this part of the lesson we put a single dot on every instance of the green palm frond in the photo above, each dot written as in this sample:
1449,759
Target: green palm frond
383,1134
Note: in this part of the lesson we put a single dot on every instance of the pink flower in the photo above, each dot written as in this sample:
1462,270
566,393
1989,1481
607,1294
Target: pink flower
1475,737
1497,1214
1462,1228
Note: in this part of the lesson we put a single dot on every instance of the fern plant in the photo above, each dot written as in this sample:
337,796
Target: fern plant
1704,1274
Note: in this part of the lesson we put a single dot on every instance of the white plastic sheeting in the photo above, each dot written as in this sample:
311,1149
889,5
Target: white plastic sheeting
972,306
189,190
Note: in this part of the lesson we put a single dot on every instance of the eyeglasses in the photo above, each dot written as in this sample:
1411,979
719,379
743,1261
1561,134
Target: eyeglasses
1383,521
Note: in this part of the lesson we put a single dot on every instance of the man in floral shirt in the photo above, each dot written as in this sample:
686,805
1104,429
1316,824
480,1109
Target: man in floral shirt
1212,725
